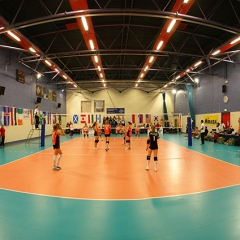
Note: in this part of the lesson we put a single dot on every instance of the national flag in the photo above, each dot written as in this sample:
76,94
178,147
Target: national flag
31,116
83,118
20,116
179,120
133,118
53,118
1,109
44,118
6,116
13,116
89,118
148,118
75,118
140,118
92,118
155,119
98,118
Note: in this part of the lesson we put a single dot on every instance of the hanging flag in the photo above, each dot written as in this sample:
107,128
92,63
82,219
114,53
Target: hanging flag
92,118
1,109
140,118
6,116
53,118
13,116
179,120
20,116
148,118
133,118
155,119
75,118
83,118
31,113
89,118
98,118
48,118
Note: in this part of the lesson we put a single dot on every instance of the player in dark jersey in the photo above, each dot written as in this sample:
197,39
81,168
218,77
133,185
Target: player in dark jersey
96,135
128,135
107,131
152,146
57,132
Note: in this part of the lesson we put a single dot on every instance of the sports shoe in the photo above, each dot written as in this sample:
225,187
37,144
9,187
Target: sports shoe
95,148
58,168
155,169
127,148
147,168
106,149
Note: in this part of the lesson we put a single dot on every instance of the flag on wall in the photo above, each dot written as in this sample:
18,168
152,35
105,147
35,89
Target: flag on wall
1,109
53,118
31,116
6,116
98,118
140,118
92,118
133,118
83,118
48,118
75,118
89,118
20,116
13,116
155,119
148,118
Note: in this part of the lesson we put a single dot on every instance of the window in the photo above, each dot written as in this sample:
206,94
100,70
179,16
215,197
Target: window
99,106
86,106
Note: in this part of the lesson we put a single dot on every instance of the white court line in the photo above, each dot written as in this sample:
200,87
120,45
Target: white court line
113,200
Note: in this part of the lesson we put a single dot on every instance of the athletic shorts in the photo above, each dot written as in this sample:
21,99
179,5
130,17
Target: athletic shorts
56,147
107,135
153,148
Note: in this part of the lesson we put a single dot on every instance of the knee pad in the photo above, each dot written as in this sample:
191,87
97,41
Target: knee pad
124,138
148,141
148,157
127,141
155,158
96,141
84,135
107,142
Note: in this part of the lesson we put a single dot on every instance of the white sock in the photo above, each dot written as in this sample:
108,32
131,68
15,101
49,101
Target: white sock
59,157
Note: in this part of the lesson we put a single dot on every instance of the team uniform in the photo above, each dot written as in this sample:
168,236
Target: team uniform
117,129
128,136
96,133
153,140
55,140
107,132
85,131
137,131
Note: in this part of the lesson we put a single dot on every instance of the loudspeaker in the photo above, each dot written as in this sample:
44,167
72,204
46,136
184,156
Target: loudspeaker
38,100
224,88
2,89
59,105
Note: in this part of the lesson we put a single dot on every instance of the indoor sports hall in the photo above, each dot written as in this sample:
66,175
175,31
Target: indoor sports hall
73,72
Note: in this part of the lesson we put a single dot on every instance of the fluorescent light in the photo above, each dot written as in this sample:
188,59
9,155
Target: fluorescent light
141,75
159,45
103,80
75,85
96,58
138,80
101,75
197,64
196,80
216,52
99,68
104,85
236,40
1,28
84,22
177,77
185,1
32,49
38,75
146,68
188,70
48,63
171,25
165,85
14,36
151,59
91,44
136,85
174,91
64,76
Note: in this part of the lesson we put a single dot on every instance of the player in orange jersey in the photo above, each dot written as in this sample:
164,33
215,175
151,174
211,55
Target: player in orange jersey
85,131
107,132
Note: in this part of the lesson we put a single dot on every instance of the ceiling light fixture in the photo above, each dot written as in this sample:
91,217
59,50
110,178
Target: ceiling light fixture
56,69
196,80
197,64
185,1
171,25
177,77
104,85
216,52
146,68
138,80
103,80
159,45
99,68
32,49
75,85
96,59
151,59
91,44
14,36
174,91
136,85
84,22
101,75
64,76
141,75
48,63
236,40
